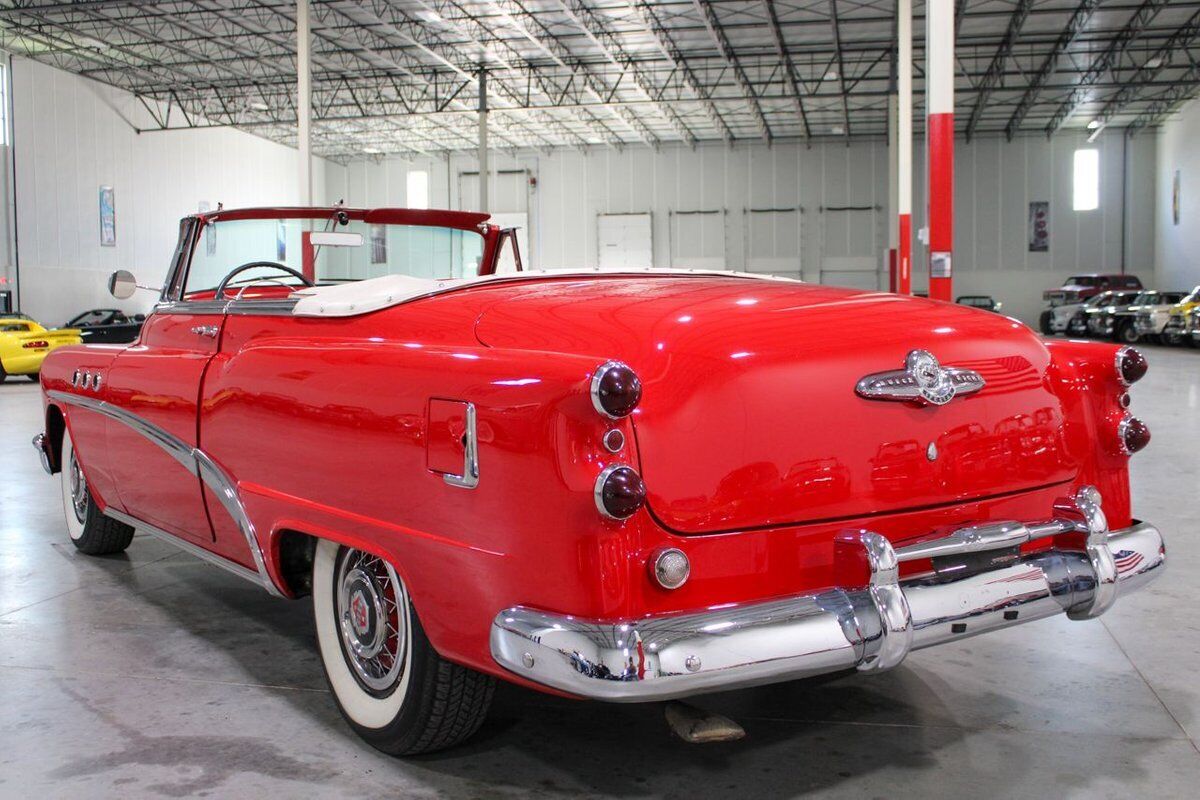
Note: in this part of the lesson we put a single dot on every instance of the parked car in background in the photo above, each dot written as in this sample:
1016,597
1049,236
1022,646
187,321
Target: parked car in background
1194,326
1177,330
1151,318
1070,318
1119,321
984,301
449,462
1098,318
107,325
24,344
1080,287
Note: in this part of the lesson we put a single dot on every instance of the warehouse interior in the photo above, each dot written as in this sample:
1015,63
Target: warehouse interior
761,136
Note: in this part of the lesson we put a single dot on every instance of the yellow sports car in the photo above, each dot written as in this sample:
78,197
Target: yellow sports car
24,343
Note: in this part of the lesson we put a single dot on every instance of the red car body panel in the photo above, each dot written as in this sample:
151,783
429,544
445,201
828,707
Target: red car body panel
755,449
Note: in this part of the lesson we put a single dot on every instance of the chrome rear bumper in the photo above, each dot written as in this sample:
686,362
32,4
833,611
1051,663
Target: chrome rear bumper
870,628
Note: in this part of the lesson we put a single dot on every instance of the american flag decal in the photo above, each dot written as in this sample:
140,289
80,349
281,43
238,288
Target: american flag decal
1127,561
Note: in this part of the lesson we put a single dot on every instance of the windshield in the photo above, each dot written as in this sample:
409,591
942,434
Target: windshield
327,251
1083,280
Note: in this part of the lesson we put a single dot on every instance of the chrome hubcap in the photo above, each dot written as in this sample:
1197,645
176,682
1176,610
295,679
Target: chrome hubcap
372,619
79,494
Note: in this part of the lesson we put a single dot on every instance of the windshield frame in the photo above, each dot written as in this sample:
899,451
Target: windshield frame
192,228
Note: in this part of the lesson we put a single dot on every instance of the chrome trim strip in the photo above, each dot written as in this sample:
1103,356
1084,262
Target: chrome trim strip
469,478
195,461
275,307
184,544
871,628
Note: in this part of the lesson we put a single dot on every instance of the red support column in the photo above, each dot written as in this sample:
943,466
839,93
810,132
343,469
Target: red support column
904,146
939,132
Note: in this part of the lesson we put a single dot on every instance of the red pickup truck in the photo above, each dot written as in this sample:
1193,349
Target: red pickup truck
1080,287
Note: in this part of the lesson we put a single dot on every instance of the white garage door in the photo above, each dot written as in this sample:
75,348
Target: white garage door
773,241
698,239
625,241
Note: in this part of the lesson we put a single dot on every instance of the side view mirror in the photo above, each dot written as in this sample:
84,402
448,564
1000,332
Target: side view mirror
122,284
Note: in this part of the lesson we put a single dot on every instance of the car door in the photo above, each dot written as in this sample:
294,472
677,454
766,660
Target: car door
157,383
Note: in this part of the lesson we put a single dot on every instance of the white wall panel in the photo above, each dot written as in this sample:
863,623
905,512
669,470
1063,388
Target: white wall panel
71,136
1178,246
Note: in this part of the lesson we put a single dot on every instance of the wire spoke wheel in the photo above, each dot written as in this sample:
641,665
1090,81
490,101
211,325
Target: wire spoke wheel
79,492
371,606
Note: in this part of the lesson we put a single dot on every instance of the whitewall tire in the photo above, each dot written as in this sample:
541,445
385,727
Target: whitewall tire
90,531
390,684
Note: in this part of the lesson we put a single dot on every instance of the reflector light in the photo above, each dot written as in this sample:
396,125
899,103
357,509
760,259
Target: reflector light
619,492
1131,365
616,390
1132,434
671,568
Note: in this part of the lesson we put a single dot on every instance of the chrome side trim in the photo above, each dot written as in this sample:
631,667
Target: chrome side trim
183,544
276,307
469,478
195,461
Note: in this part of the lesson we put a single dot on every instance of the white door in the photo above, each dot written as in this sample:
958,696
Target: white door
698,239
510,204
625,241
850,247
773,241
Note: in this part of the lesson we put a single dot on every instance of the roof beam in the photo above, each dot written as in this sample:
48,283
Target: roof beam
788,65
841,67
1162,106
1075,25
666,44
1141,18
996,69
718,34
1148,72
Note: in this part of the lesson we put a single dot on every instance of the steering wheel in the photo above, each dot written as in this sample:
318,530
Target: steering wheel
220,291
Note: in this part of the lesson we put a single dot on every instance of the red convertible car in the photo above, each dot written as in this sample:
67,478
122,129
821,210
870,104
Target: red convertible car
627,486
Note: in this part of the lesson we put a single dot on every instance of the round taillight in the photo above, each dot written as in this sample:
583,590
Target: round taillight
1132,434
671,568
1131,365
616,389
619,492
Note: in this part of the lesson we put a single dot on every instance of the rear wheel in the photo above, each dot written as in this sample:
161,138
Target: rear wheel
392,687
91,532
1127,333
3,374
1044,322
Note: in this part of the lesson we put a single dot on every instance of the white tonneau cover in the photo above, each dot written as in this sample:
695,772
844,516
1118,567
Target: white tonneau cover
373,294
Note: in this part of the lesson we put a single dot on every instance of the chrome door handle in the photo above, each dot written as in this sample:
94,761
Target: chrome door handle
206,330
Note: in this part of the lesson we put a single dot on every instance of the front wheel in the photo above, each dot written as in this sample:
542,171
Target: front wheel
1044,323
91,532
1128,334
389,683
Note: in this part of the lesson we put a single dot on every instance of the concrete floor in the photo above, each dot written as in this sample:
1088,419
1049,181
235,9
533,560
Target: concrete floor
153,674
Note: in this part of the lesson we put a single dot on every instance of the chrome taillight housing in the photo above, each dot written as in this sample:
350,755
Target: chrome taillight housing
1132,434
616,390
1131,366
619,492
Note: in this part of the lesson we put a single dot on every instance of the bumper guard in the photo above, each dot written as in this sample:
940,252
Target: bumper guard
871,628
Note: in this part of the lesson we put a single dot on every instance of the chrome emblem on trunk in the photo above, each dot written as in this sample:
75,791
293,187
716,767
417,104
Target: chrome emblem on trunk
923,380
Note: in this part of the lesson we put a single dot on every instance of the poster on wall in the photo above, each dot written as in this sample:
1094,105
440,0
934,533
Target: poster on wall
108,218
1175,199
378,244
1039,226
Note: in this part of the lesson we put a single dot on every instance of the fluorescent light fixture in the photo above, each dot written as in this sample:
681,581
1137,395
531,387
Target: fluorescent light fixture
1091,126
838,129
259,105
832,75
373,151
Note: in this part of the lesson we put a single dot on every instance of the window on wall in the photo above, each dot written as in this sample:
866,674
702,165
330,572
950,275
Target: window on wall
1087,180
418,189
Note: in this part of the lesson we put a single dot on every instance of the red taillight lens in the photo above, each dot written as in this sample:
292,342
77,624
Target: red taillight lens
616,389
1133,434
619,492
1131,365
35,344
